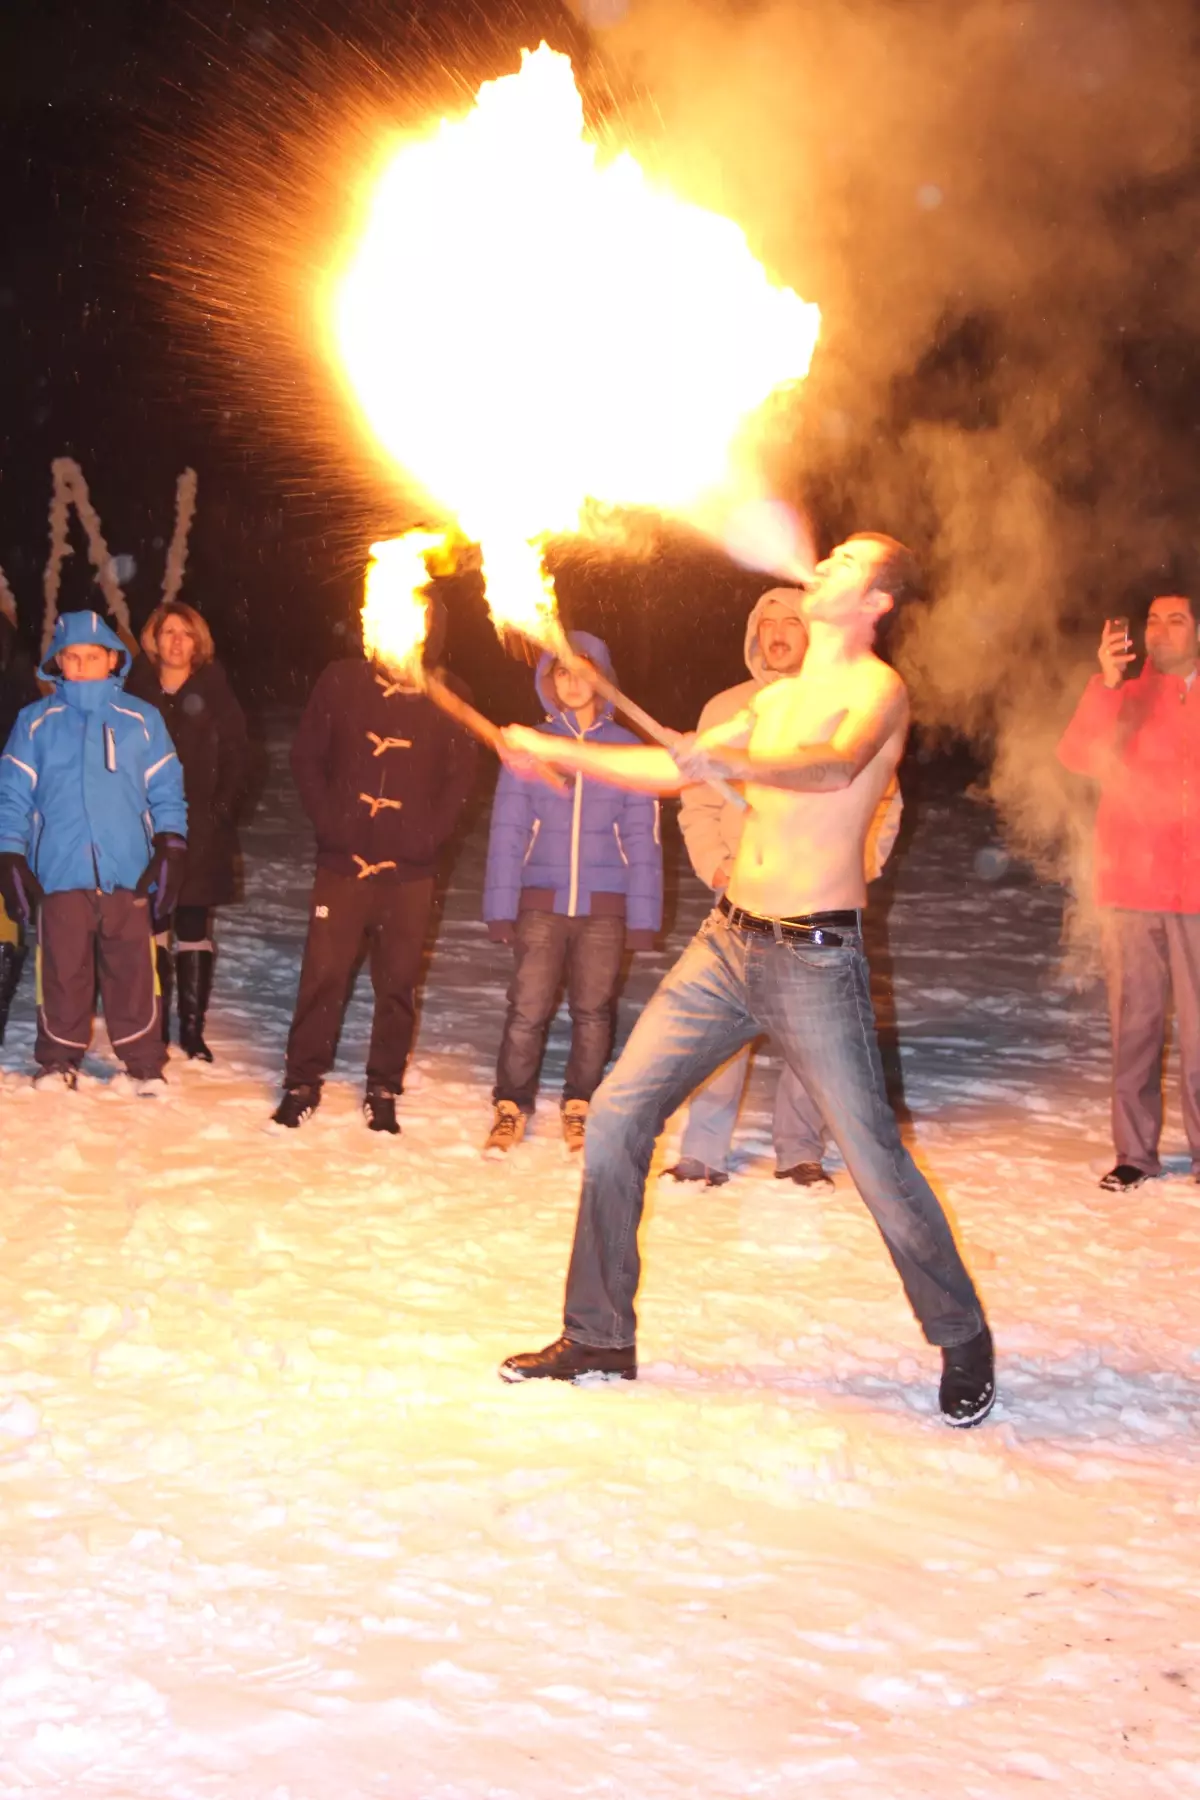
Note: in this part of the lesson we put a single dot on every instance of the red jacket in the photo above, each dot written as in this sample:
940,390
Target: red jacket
1141,742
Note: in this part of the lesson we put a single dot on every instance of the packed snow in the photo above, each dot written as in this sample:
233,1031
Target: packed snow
273,1529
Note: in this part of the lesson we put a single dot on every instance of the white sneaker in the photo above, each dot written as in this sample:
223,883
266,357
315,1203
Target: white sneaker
153,1088
56,1081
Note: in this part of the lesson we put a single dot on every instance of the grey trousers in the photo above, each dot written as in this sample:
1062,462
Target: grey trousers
1150,958
798,1128
84,936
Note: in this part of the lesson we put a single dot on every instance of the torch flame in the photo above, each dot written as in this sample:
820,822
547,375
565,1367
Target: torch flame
526,327
395,617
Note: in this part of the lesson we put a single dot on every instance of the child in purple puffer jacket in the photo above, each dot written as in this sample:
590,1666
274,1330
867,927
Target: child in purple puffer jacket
572,879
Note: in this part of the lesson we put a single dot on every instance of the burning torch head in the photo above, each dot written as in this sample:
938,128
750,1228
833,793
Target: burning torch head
398,613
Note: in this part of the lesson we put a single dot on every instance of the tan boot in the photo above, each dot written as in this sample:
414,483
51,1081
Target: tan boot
574,1124
508,1128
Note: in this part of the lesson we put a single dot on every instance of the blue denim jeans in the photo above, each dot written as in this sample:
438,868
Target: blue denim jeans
815,1002
589,951
798,1129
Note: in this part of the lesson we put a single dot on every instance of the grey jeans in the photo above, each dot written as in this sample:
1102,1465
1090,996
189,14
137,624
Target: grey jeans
814,1001
1151,958
798,1129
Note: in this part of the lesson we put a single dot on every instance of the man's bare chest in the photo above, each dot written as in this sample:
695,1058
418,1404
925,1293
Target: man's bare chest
792,713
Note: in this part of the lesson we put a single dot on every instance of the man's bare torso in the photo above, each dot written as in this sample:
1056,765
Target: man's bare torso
803,852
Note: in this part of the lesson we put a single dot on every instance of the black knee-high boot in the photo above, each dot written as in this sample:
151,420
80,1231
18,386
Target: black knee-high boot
193,974
11,961
164,962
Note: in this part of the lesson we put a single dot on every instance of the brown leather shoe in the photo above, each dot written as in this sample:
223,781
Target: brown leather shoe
565,1361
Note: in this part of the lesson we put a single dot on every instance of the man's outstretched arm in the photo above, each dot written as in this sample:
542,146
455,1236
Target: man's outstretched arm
645,768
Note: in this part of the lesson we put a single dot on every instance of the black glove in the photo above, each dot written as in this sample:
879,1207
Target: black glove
163,874
19,886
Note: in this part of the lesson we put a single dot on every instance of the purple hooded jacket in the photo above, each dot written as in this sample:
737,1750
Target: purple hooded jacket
593,849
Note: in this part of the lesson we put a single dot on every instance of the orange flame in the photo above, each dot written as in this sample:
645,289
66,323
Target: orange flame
394,614
526,327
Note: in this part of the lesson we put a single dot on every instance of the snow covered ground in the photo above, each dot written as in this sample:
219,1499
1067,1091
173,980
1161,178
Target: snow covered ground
273,1530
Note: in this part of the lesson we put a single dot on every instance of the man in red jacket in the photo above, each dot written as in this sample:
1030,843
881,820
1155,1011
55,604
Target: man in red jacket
1140,740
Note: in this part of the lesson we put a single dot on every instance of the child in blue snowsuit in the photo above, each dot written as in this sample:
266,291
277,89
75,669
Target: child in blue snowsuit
572,879
93,828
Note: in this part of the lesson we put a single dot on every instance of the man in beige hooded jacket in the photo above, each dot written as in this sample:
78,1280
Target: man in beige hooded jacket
776,641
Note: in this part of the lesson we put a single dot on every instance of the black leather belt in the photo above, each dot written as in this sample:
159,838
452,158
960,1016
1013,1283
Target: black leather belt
805,928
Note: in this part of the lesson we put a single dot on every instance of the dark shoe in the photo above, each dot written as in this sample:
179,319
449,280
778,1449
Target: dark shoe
164,964
968,1390
297,1105
688,1169
56,1081
193,976
379,1110
565,1361
805,1175
11,962
1122,1178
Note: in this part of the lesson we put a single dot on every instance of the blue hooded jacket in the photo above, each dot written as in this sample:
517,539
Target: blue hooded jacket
594,848
88,776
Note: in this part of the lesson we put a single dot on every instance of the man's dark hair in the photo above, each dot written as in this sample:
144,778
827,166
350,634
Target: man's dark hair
1186,599
897,573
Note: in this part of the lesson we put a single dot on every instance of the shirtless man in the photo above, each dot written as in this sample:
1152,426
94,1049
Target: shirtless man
781,953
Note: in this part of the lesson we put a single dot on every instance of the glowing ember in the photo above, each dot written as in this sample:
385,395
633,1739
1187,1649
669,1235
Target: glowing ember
526,328
394,613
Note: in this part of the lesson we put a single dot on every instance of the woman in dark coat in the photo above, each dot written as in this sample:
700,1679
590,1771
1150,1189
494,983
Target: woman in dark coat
178,675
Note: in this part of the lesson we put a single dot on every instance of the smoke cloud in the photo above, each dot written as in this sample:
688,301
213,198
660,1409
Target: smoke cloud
995,206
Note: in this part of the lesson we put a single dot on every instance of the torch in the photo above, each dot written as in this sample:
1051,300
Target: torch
395,621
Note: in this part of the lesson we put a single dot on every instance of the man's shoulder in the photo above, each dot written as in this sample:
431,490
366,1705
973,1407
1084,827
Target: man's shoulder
727,704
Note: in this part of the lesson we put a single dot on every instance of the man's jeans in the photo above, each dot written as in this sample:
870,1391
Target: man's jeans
1151,958
815,1002
590,950
798,1128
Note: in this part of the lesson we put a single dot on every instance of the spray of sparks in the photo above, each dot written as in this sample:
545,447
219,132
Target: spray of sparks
527,328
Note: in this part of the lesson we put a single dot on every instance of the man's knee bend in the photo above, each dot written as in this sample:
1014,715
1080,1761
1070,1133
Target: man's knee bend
622,1113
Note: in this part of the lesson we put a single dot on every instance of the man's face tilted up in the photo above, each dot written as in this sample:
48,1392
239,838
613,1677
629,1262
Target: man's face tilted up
782,639
842,591
87,662
1171,636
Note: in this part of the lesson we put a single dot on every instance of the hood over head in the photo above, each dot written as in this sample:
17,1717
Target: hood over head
793,600
596,651
83,628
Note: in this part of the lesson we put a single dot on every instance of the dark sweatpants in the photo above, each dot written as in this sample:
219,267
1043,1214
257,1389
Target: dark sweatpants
392,917
83,935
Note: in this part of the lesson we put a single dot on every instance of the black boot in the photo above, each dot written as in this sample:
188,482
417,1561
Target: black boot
193,973
164,963
11,962
968,1390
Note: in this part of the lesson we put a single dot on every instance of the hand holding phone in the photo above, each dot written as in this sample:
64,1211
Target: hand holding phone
1116,651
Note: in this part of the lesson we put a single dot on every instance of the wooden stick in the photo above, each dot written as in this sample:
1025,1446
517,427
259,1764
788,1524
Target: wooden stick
645,721
471,719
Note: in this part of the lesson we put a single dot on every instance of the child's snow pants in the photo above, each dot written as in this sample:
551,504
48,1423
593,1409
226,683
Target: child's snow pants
85,936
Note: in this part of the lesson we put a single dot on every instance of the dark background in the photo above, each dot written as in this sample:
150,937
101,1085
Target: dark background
116,113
